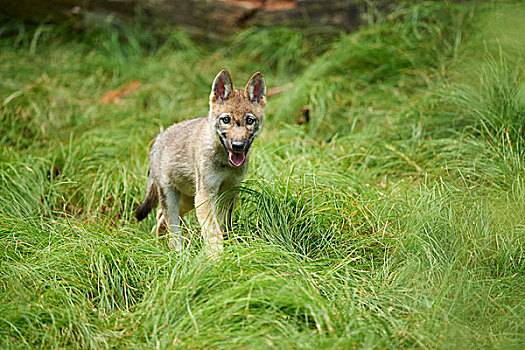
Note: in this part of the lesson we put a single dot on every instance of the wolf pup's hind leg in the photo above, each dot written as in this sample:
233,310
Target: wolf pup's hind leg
161,227
170,199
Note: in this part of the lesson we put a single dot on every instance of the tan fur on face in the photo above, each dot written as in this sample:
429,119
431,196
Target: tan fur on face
238,106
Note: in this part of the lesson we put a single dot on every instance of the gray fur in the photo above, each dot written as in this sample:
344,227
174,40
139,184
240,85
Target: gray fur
190,166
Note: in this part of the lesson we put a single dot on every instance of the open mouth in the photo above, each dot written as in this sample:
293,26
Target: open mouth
236,159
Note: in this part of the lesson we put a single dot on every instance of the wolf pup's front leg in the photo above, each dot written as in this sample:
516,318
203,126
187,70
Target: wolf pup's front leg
206,211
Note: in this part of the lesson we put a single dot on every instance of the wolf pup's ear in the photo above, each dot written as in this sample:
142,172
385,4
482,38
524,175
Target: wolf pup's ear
255,90
222,87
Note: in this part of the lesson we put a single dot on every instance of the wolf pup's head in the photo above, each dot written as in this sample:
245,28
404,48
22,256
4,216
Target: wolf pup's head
237,115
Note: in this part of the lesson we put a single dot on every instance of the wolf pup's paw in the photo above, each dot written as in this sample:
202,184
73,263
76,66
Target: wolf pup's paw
176,244
213,250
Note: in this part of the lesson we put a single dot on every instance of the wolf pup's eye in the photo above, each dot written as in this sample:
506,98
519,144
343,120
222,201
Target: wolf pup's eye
250,120
226,120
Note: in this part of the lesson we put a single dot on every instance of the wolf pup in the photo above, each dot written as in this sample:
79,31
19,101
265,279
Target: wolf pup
194,161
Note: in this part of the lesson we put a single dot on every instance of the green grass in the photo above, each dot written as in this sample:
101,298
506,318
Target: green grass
394,219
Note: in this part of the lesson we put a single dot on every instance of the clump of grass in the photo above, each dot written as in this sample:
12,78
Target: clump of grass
282,51
495,108
407,49
61,280
454,246
300,217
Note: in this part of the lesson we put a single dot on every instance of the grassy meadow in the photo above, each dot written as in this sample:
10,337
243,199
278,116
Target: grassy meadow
394,218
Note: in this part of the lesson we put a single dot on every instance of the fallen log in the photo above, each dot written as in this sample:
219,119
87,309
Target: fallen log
214,18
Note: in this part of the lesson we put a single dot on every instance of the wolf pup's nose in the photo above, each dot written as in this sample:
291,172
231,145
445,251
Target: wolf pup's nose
238,145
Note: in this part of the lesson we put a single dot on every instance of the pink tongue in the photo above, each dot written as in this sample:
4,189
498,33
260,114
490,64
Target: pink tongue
236,158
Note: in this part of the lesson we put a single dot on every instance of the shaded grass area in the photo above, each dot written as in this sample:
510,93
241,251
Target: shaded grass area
394,219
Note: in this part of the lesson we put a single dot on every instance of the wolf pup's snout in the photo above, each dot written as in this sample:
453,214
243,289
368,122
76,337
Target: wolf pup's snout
238,145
